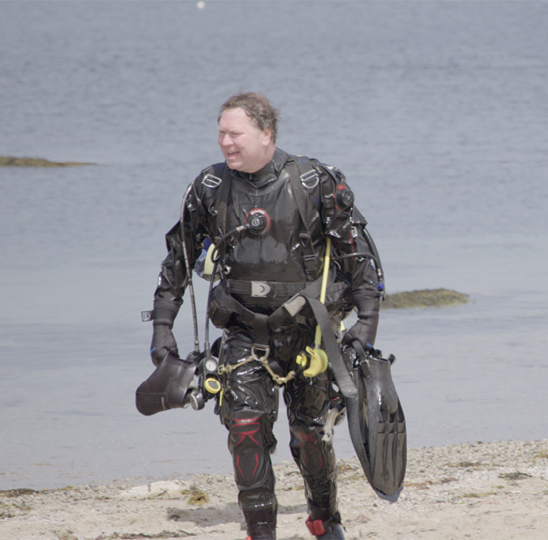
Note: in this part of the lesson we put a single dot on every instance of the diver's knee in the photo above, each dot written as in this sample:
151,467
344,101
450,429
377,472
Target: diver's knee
248,428
251,441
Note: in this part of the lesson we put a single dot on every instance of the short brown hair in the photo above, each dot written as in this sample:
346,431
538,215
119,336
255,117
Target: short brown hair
257,107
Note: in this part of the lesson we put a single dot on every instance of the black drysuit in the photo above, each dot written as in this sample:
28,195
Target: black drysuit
270,244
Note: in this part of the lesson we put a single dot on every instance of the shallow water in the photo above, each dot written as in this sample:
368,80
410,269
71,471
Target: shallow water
436,111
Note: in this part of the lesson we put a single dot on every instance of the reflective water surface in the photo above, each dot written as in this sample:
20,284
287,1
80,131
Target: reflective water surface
436,112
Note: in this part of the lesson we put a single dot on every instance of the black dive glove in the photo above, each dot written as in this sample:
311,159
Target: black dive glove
163,340
365,329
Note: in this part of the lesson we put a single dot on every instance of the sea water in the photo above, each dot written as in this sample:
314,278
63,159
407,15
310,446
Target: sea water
435,111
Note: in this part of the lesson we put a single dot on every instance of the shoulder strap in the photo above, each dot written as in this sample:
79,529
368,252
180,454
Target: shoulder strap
222,196
215,186
302,173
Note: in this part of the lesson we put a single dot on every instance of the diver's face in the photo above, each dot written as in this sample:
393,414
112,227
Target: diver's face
245,147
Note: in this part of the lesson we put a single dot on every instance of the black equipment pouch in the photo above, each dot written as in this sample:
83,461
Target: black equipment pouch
219,310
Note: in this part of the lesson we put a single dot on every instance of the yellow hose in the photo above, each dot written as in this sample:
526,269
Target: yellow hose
323,290
318,357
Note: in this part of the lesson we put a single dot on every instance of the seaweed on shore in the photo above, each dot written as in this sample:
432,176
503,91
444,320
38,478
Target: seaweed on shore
7,161
424,298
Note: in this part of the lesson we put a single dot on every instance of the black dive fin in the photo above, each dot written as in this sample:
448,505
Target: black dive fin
167,387
376,423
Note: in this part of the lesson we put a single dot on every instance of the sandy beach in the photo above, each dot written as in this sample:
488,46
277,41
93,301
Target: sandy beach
496,490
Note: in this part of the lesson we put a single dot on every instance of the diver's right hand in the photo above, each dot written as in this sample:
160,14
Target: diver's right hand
163,342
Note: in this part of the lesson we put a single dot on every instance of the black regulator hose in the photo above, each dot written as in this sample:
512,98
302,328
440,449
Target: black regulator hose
189,273
378,264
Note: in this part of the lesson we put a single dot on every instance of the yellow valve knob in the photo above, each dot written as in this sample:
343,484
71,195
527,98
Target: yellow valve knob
318,362
213,386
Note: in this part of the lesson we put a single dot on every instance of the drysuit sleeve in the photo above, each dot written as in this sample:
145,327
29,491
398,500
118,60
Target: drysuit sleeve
352,253
173,278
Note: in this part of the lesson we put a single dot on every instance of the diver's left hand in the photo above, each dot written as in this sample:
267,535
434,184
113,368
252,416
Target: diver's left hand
361,332
365,329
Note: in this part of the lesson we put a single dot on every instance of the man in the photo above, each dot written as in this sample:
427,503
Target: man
269,215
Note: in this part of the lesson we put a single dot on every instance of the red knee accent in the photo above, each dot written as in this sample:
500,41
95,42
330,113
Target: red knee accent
315,527
254,470
246,422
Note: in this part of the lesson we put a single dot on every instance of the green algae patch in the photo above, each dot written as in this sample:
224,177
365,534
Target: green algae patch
16,492
6,161
424,298
514,476
197,496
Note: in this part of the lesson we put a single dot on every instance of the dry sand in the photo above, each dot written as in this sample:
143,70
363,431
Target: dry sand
487,491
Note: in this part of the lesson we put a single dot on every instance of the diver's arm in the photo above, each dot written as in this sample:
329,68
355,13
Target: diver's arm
172,283
168,298
366,292
356,263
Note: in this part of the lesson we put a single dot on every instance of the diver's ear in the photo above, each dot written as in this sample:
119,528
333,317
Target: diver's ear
267,136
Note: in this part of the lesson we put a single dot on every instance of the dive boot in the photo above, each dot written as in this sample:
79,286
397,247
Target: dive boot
334,531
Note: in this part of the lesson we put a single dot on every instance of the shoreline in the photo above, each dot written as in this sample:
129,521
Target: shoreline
494,490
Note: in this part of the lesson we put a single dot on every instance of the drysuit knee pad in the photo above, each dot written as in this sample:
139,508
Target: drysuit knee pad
250,442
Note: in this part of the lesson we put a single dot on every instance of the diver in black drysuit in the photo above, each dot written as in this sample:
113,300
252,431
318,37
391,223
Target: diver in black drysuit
269,249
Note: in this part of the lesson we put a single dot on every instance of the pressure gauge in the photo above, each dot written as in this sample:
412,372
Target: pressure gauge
210,364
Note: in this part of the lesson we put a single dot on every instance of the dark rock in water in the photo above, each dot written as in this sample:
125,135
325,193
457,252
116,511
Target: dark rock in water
424,298
6,161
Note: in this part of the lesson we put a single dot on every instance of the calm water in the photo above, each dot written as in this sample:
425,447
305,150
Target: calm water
437,113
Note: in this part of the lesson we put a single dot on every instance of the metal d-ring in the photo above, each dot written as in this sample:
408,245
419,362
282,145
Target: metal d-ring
264,348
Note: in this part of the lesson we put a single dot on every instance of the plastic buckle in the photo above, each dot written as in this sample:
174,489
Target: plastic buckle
261,289
310,263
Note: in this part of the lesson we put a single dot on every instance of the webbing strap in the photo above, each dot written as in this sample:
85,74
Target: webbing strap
295,173
257,321
263,289
222,205
260,325
344,380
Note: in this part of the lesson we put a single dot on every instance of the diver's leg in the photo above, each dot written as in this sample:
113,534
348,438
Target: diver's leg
248,410
307,406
